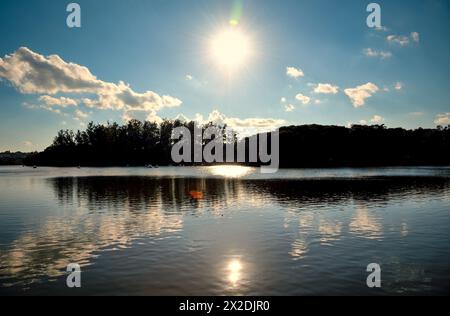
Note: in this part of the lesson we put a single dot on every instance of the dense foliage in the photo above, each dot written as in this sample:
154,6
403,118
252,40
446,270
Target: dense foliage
360,145
140,143
12,158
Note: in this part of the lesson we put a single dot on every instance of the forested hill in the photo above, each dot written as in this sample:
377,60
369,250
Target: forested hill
140,143
333,146
12,158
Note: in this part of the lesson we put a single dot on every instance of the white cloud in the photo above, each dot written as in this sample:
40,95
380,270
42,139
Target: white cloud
182,118
303,98
215,117
370,52
150,116
244,127
398,86
62,101
415,37
32,73
80,114
317,101
401,40
127,116
326,88
258,123
289,108
283,100
122,97
377,119
360,122
189,77
380,54
28,143
404,40
382,29
442,119
294,72
153,117
43,107
359,94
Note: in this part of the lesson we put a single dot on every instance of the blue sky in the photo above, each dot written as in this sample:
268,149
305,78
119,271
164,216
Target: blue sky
341,70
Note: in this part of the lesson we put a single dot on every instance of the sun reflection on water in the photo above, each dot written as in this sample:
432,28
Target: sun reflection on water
234,270
230,171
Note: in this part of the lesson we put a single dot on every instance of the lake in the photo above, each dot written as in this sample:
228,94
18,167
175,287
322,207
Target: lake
224,231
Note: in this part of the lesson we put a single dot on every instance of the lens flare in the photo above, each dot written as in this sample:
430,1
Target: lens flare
236,12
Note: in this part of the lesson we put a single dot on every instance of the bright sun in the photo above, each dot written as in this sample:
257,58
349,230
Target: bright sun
230,49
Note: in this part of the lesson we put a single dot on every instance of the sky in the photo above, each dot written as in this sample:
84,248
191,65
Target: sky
247,63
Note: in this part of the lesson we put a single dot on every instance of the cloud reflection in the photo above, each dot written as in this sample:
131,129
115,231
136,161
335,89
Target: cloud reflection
329,231
92,215
365,225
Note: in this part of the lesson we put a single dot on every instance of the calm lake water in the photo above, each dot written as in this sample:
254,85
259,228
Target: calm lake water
224,231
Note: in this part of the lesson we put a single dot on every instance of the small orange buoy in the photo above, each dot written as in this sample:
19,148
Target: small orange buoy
196,195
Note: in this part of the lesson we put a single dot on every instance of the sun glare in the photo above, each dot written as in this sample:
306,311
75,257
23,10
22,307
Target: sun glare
230,171
234,272
230,49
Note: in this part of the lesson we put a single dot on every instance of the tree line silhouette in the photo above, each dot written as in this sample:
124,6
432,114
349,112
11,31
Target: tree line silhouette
12,158
139,143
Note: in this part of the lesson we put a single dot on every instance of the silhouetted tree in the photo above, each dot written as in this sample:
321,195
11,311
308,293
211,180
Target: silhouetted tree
139,143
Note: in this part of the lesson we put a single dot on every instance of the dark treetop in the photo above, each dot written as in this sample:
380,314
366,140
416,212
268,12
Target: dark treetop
140,143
